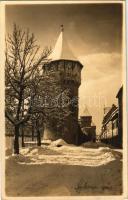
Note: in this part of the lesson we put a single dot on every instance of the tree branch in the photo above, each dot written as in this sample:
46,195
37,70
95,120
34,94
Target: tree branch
9,117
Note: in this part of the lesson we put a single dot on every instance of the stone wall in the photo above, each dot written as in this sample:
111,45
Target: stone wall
67,76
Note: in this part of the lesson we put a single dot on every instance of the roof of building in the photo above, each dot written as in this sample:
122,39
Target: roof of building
109,115
106,110
119,92
93,124
86,111
62,49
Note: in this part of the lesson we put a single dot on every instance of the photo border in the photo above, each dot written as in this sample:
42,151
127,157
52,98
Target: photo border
124,196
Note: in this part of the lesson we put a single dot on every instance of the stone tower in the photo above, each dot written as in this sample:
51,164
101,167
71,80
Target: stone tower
66,81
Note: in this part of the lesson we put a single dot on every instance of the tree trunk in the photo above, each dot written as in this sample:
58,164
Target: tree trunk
22,135
38,138
38,133
16,140
32,132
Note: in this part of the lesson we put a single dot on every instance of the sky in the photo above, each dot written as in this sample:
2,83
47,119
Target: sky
93,33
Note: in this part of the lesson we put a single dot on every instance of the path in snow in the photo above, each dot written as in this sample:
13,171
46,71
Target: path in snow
69,155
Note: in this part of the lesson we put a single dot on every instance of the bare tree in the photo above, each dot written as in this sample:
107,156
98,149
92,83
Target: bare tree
22,68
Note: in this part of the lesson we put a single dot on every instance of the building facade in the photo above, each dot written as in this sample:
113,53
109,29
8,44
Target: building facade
67,77
88,129
120,116
109,132
112,124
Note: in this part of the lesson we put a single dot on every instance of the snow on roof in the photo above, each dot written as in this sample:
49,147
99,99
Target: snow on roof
62,49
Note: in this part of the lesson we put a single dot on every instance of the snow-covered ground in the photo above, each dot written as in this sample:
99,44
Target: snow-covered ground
66,170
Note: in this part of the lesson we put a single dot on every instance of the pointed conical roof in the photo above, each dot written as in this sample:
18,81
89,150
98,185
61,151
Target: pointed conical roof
93,124
62,49
86,112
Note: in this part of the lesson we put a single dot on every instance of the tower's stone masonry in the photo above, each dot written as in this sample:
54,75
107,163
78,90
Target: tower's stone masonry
67,77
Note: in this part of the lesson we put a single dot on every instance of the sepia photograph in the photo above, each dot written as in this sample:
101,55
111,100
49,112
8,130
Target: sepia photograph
65,99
